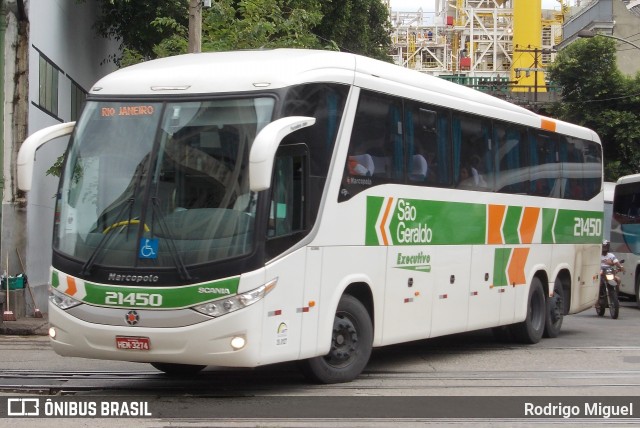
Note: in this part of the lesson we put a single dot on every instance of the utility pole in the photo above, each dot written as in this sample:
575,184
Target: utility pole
536,68
195,26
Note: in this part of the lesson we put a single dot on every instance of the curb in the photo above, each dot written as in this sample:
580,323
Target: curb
25,327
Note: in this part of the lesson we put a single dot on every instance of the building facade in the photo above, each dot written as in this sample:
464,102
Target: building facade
619,18
51,57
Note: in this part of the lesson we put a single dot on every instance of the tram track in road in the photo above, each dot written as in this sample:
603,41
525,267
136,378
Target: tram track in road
592,357
284,382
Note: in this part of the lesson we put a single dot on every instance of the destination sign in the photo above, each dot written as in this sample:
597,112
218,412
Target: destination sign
132,110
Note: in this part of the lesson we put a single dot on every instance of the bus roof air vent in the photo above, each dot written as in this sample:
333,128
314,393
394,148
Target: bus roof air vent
170,88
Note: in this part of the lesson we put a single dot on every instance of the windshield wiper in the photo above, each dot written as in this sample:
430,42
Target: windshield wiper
86,268
106,235
173,249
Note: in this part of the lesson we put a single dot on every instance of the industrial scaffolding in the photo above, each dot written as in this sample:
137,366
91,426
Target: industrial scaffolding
492,43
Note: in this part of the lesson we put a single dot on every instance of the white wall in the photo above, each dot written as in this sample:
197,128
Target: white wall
62,31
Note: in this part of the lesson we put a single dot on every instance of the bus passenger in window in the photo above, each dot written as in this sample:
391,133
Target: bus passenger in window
478,180
360,165
464,176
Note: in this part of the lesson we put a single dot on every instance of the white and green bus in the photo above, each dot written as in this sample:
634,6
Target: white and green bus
247,208
625,232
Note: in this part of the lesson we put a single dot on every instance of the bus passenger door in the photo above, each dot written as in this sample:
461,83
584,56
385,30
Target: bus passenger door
287,225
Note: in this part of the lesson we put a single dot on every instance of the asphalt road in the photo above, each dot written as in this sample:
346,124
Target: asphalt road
593,359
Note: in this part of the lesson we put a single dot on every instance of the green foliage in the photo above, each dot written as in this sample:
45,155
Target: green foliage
56,168
597,95
156,28
140,25
359,26
252,24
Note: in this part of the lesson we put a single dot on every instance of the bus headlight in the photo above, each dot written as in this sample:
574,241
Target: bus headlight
61,300
224,306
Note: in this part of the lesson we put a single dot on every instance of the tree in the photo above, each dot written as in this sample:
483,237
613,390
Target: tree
597,95
247,24
156,28
140,25
359,26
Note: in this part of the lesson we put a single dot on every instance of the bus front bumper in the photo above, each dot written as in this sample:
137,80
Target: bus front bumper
205,343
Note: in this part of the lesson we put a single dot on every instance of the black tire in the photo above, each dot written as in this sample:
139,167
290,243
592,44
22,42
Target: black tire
351,344
175,370
555,311
531,329
614,303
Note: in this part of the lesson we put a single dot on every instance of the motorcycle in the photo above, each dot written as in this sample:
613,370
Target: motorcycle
608,295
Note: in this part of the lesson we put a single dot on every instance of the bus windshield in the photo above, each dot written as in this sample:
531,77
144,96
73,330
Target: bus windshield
160,184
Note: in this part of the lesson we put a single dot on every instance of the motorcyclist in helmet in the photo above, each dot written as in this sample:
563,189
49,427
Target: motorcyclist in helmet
609,259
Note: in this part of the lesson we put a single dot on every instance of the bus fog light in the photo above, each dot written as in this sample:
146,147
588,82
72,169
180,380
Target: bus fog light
238,342
52,332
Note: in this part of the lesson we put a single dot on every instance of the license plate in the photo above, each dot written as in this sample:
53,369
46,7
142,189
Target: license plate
133,343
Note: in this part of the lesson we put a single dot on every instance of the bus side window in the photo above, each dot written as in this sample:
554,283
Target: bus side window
376,152
592,172
427,141
581,172
470,141
545,164
511,159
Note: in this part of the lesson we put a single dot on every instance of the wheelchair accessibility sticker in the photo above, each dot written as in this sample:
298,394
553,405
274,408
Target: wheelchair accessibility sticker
148,248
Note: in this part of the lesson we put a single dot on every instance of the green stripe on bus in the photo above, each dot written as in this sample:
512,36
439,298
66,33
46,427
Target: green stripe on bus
420,222
151,297
55,280
374,206
511,224
501,259
548,217
159,297
425,222
578,227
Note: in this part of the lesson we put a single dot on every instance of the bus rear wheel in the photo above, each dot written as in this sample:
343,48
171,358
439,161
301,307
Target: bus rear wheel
171,369
351,344
555,311
531,329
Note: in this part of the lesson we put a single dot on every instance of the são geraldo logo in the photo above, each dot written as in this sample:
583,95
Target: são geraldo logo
400,223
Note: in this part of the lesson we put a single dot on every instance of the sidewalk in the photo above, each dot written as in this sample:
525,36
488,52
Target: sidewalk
28,326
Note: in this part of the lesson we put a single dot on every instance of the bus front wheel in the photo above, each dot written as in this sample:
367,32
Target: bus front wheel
351,343
531,329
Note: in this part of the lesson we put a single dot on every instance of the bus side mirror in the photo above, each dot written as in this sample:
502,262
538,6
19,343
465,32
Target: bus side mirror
27,152
265,145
